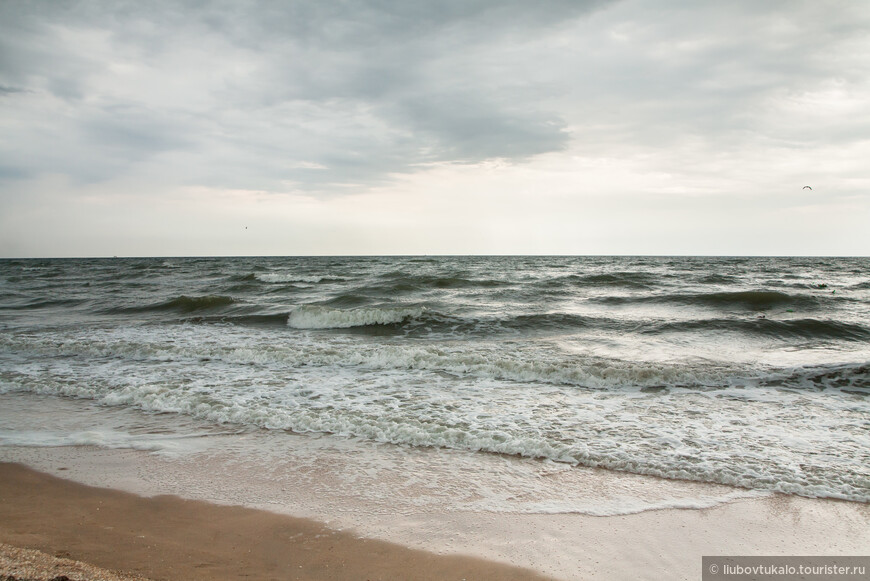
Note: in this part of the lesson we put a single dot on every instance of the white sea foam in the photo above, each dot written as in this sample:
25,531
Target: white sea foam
103,438
317,317
506,397
286,277
355,475
496,360
682,434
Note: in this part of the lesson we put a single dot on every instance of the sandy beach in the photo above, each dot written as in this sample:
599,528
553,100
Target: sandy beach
175,539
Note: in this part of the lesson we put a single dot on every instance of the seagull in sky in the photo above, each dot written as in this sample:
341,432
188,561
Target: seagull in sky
807,188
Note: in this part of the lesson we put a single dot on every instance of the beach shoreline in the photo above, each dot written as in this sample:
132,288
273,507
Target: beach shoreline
167,537
651,544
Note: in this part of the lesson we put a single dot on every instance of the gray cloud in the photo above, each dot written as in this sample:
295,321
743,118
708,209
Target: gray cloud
721,68
6,90
385,70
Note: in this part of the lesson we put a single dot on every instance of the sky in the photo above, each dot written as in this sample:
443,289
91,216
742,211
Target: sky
296,127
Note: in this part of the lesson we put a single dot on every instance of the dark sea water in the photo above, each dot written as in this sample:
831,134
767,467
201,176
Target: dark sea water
752,372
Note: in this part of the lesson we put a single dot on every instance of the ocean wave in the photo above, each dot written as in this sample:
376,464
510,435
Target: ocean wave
500,360
42,304
346,300
273,277
427,323
404,281
853,379
435,324
778,329
716,278
570,282
491,361
634,280
189,304
183,304
263,320
319,317
757,300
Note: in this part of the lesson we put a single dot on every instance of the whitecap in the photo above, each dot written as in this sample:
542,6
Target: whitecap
316,317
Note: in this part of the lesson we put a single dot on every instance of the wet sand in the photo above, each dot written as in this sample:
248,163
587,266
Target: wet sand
166,537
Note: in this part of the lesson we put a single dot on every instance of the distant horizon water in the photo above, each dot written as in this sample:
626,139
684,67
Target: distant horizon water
434,255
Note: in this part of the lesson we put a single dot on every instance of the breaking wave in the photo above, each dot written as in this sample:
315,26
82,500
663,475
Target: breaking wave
318,317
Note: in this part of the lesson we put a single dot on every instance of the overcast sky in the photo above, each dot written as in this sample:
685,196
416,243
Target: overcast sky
437,127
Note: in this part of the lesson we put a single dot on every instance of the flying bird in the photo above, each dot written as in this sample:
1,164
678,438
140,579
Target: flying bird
807,188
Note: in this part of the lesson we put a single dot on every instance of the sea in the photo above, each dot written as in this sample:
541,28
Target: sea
492,383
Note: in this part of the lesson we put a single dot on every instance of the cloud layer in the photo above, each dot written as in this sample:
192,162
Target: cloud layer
321,100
